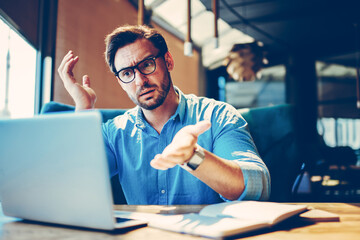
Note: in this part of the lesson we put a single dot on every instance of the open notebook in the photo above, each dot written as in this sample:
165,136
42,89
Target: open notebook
223,219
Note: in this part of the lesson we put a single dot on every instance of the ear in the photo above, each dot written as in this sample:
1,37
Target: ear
169,61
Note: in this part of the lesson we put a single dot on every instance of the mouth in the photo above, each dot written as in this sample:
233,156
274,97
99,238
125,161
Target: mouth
148,91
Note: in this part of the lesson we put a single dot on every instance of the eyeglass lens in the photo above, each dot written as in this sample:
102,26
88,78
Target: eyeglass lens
145,67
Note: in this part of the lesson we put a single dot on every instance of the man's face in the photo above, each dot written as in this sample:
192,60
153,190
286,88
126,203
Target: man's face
146,91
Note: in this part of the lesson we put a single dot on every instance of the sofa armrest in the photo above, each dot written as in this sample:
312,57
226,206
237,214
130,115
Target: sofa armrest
56,107
52,107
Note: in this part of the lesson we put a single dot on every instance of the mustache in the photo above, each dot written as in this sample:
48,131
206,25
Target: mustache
144,88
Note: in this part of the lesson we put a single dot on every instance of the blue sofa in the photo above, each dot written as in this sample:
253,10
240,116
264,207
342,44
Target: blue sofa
273,131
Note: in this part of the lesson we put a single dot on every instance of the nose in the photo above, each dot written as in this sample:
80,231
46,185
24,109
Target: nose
140,79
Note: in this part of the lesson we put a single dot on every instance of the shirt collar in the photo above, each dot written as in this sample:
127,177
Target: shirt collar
140,118
180,111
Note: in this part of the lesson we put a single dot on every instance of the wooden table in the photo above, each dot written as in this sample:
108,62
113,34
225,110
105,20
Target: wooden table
347,228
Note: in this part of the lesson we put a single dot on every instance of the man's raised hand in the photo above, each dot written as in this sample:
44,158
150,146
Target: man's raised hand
83,95
182,146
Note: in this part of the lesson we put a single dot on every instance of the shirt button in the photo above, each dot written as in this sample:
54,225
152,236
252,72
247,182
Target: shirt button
163,191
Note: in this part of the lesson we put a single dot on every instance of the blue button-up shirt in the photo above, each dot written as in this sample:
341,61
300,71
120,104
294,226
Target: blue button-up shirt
131,143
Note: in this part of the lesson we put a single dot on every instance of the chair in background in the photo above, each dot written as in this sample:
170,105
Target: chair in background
273,131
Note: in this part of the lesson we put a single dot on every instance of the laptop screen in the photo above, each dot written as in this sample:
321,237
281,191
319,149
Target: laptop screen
53,168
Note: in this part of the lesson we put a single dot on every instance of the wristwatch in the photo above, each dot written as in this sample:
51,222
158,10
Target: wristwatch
196,159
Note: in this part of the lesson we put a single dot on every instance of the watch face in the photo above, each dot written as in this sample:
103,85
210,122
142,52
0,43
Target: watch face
192,166
196,159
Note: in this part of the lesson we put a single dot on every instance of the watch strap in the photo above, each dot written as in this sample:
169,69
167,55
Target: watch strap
196,159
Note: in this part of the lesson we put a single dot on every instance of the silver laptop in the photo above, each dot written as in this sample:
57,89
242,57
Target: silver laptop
53,169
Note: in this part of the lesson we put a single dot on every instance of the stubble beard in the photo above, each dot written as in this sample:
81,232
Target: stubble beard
159,100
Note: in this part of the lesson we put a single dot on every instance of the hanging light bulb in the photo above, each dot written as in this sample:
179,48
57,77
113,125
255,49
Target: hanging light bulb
245,61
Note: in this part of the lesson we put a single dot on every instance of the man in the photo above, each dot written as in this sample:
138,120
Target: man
172,148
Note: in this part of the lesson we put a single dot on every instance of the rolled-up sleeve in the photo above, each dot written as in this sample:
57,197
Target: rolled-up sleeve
232,141
256,177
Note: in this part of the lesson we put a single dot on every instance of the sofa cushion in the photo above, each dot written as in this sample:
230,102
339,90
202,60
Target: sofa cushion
60,107
274,133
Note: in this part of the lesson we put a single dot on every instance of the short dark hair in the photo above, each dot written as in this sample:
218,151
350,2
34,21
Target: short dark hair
128,34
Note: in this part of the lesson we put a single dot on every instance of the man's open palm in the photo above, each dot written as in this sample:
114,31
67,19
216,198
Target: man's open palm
83,95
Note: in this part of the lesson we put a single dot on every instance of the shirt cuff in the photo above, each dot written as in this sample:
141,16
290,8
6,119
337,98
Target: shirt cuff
256,181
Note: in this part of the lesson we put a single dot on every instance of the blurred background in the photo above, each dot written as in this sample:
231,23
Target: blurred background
249,53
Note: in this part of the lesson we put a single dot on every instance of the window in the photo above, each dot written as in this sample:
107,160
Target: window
338,121
266,91
17,74
340,131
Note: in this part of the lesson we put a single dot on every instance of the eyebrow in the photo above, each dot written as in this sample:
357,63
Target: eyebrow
152,55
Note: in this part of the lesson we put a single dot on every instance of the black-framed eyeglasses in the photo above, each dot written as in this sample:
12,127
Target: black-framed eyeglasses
146,67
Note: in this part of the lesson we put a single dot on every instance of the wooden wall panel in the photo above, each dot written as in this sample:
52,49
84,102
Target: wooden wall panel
186,71
82,26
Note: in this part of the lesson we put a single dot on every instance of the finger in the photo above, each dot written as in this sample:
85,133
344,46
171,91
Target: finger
178,154
68,64
199,127
73,61
86,81
67,74
65,60
160,163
